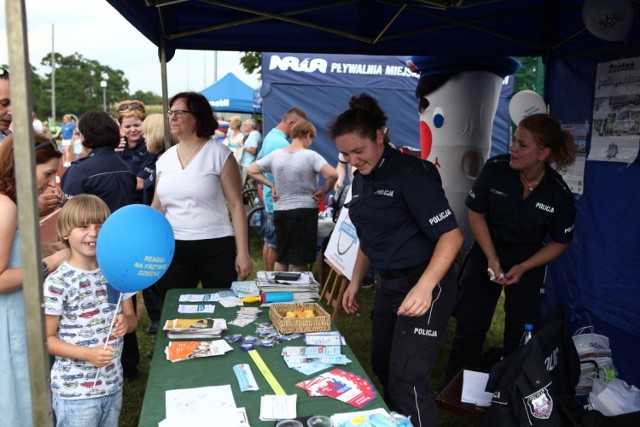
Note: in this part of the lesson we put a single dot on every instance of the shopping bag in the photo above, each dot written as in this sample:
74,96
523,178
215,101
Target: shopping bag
614,397
587,342
595,358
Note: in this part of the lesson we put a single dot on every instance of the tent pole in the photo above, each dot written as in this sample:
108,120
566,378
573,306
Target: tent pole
165,92
28,217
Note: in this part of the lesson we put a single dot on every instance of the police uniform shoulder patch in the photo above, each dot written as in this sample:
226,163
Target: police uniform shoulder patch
499,159
540,404
81,159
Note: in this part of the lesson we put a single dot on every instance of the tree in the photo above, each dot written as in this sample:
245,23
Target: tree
530,75
40,96
149,98
78,85
251,62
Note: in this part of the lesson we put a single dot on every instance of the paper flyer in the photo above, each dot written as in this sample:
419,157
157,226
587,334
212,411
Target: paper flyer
177,351
341,385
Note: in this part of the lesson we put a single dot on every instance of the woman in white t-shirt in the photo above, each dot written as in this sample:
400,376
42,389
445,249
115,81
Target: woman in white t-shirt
197,188
236,137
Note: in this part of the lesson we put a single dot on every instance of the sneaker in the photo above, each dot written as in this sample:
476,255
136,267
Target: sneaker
66,164
152,329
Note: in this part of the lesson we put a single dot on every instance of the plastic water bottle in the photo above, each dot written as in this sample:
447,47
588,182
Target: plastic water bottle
526,336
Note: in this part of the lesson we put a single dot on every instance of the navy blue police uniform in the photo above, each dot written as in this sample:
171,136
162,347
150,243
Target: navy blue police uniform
149,166
142,164
518,229
102,173
152,296
137,158
400,211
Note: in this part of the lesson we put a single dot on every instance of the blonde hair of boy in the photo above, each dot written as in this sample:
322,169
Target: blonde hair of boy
81,209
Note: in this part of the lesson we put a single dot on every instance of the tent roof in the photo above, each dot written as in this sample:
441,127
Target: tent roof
381,27
230,94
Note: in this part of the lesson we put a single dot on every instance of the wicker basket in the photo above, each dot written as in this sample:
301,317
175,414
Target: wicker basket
290,325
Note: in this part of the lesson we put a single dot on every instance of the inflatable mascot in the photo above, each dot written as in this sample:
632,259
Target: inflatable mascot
458,98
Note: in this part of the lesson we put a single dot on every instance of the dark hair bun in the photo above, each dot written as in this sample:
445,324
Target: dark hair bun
367,103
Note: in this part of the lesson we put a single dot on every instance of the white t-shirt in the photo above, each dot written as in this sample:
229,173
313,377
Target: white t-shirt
192,198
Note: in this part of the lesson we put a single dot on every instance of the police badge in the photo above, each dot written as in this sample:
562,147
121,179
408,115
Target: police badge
540,404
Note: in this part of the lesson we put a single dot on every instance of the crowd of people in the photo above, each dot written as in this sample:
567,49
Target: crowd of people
521,214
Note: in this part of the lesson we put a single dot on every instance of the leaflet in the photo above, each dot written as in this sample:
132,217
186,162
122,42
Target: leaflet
198,308
341,385
196,297
178,351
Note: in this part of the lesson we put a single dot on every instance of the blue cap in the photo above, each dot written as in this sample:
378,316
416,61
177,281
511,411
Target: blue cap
223,125
434,65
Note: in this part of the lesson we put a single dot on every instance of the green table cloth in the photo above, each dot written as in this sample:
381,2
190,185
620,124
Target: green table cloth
218,370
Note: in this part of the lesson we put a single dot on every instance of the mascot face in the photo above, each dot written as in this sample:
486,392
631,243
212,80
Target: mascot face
456,119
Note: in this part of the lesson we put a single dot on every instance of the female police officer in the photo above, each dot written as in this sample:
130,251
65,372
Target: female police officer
515,202
408,233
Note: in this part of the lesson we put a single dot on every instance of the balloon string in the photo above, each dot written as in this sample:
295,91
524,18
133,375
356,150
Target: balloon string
106,342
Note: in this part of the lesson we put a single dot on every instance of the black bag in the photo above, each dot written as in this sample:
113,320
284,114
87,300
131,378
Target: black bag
529,383
574,415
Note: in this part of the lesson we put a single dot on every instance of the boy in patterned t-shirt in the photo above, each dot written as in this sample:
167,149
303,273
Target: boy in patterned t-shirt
78,317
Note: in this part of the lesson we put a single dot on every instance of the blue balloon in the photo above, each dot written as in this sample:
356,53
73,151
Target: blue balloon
135,247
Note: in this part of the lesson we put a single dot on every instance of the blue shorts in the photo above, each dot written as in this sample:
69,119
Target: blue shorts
268,230
91,412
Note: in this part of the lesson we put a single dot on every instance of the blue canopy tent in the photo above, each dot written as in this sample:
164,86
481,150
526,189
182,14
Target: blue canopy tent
230,94
316,85
598,279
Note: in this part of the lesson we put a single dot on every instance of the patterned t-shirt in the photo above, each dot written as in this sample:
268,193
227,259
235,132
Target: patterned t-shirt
79,297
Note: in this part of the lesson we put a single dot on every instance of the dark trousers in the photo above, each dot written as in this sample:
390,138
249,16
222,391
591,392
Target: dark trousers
130,351
477,301
211,262
152,297
404,349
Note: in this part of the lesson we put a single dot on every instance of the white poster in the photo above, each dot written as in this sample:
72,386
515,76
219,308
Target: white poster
574,175
616,112
343,244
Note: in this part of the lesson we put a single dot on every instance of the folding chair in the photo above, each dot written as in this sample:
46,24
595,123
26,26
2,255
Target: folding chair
333,288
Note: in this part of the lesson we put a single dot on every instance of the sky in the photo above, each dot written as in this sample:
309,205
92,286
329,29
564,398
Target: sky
98,32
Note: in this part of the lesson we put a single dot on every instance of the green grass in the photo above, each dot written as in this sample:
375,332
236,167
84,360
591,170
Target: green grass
356,329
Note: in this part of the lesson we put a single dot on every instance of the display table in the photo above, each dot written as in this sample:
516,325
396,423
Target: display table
218,370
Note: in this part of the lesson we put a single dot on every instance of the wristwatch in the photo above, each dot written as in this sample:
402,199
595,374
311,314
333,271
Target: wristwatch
45,269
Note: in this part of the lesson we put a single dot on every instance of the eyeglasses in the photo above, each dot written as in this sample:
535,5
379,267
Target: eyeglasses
49,142
177,113
131,105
